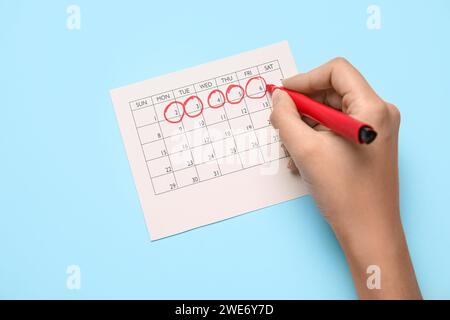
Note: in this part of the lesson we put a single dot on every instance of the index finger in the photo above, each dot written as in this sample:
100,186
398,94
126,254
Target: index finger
337,74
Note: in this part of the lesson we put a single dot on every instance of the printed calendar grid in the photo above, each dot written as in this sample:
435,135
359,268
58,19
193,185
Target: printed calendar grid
237,153
196,83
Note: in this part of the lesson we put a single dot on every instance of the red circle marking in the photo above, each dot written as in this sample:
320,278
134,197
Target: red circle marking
210,96
231,87
198,112
253,79
167,108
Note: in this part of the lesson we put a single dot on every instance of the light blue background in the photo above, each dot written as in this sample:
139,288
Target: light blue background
67,195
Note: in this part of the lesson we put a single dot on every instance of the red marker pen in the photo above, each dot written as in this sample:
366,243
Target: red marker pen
333,119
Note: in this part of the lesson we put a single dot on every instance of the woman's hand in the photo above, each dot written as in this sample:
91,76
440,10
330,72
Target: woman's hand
354,186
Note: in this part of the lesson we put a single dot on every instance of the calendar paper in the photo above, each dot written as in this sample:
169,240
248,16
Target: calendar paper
200,143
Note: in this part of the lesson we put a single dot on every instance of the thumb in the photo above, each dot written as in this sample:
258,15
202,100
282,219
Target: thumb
296,135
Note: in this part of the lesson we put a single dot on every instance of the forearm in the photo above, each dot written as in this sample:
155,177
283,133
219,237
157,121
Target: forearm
381,244
355,187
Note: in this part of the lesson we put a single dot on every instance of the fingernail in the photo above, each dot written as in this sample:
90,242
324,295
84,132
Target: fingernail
290,164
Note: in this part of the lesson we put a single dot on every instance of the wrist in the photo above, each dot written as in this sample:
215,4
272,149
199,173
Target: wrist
367,221
380,243
359,234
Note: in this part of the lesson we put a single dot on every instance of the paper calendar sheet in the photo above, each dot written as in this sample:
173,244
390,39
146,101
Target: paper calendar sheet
200,143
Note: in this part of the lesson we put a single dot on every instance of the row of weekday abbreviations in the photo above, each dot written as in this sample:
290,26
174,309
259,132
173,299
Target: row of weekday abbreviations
204,85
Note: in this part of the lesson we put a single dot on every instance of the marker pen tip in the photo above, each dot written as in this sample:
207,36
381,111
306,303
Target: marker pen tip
271,88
